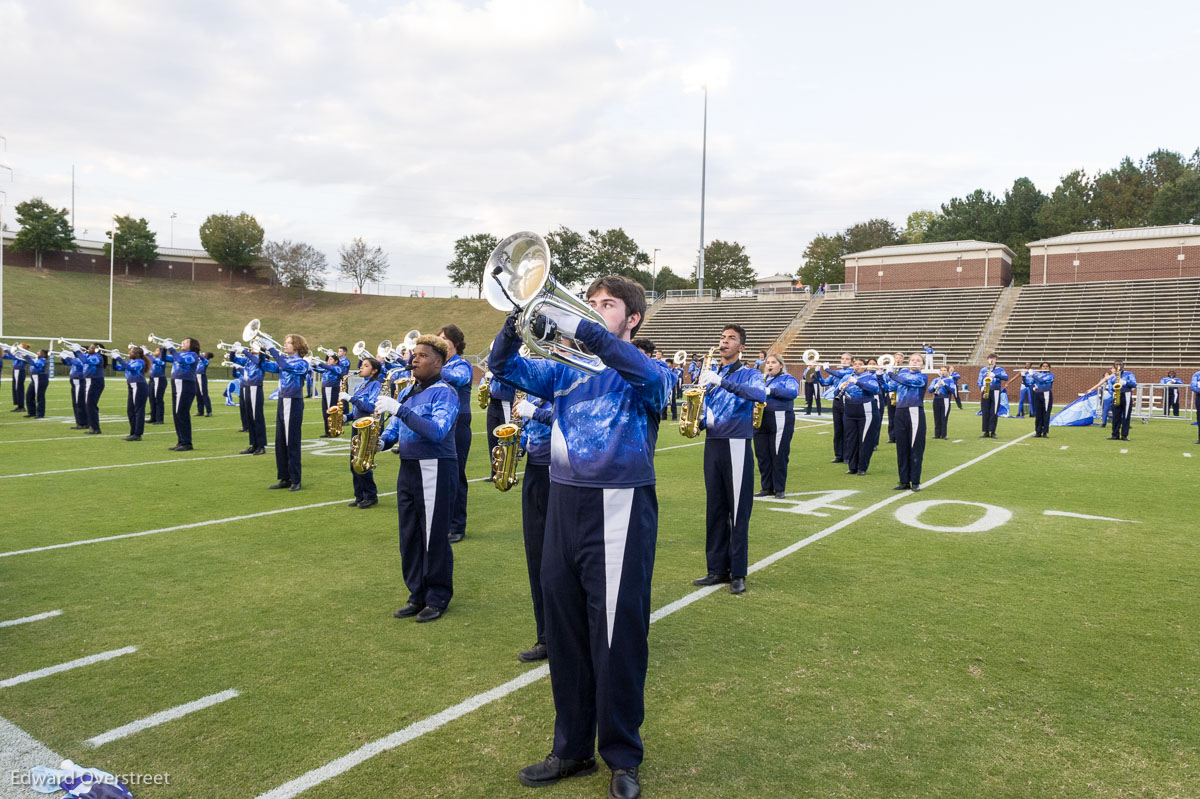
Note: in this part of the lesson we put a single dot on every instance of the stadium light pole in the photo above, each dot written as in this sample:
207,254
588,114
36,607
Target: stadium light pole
112,262
173,215
654,276
703,175
3,201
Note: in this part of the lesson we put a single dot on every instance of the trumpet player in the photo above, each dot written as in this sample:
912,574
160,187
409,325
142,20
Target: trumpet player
858,390
422,430
459,375
1122,384
1041,399
203,400
91,379
992,379
1194,385
35,395
18,379
158,386
361,404
833,377
773,439
332,373
291,367
910,422
943,388
78,399
731,391
535,495
135,368
183,362
251,398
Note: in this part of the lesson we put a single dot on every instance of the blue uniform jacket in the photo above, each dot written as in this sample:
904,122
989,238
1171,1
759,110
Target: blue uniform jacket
362,401
835,375
535,435
291,369
943,386
1195,384
251,364
499,390
183,364
330,375
157,367
132,368
1128,382
910,388
345,362
1041,382
423,427
605,425
201,365
781,391
858,389
1171,381
998,376
458,374
37,366
729,407
77,366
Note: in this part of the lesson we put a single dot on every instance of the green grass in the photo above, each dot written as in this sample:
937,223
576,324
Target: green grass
1048,657
51,304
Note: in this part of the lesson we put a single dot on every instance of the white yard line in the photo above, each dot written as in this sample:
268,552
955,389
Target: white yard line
72,664
429,724
36,617
122,465
162,717
1085,516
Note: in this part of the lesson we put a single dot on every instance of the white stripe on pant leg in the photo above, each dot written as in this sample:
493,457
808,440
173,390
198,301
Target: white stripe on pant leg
737,457
178,394
779,415
912,416
867,408
253,398
1046,396
618,507
507,410
429,481
287,417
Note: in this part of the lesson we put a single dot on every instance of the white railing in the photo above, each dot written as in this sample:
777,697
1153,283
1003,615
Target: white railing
403,289
830,288
694,294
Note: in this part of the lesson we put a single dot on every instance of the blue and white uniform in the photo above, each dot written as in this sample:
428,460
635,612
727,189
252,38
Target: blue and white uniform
989,402
458,374
331,379
601,529
35,396
1041,387
1171,396
1026,393
1122,414
499,409
833,378
909,421
138,390
251,400
203,400
18,381
858,395
943,390
78,394
92,379
183,391
773,439
362,405
158,389
535,496
812,390
289,412
1195,386
422,430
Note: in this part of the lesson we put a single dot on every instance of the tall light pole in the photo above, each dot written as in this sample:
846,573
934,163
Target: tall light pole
703,172
654,274
173,215
3,202
112,263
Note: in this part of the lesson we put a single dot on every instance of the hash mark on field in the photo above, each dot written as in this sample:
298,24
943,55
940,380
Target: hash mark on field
822,432
122,466
71,664
430,723
27,619
162,717
1124,451
1064,446
1187,454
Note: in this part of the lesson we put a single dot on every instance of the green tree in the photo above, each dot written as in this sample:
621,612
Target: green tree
1021,206
823,260
362,264
568,256
235,241
1178,202
43,229
136,242
1162,167
296,264
1069,207
918,222
726,266
979,215
471,254
871,234
1122,197
667,280
613,252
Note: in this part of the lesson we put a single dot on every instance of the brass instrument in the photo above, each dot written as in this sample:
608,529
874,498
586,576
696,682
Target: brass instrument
987,382
230,364
887,361
680,357
336,413
409,343
254,336
759,411
234,347
1117,383
323,350
360,350
165,343
517,277
71,345
20,352
367,431
386,353
485,391
507,452
113,353
693,400
811,357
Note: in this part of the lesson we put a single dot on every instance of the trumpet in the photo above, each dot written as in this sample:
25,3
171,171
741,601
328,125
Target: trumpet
693,401
234,347
507,452
253,334
71,345
229,363
326,351
165,343
517,277
20,352
113,353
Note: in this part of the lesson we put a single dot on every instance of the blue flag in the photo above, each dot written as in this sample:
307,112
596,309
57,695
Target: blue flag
1080,413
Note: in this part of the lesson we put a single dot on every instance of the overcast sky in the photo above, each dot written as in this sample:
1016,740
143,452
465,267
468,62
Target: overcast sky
414,123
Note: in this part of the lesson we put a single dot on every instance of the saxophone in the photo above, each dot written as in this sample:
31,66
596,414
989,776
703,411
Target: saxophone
368,429
759,411
987,382
1117,383
693,401
485,392
507,452
336,413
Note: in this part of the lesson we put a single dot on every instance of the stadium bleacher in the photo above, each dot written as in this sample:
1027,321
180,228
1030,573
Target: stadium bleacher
696,326
1144,322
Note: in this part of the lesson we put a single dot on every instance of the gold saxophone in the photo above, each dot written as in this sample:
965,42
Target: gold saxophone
507,452
336,413
368,429
1117,383
987,382
759,411
693,400
485,392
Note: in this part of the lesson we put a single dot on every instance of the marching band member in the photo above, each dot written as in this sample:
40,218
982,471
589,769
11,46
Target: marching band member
535,495
422,430
35,395
693,370
332,372
183,390
1122,411
1041,400
1195,386
344,359
989,400
762,359
773,439
203,400
601,529
135,369
458,374
18,380
886,397
1026,395
1171,395
158,386
499,409
910,422
91,384
251,400
942,389
858,390
833,377
362,404
234,389
78,397
1105,393
812,390
289,410
957,386
728,461
880,399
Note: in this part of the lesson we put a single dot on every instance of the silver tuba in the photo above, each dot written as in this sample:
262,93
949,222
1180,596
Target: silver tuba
409,344
680,357
517,277
360,350
252,334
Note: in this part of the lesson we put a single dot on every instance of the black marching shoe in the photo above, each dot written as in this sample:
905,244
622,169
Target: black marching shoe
366,503
851,471
986,435
536,652
763,493
837,460
184,448
259,451
454,538
711,579
31,415
624,784
294,487
737,585
1124,438
243,430
780,495
1114,438
430,613
553,769
353,504
861,472
901,487
281,484
409,610
916,486
247,451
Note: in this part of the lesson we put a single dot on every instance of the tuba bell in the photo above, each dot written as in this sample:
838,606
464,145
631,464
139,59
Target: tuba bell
680,357
517,277
811,357
409,343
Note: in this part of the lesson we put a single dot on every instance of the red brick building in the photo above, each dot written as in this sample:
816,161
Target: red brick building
941,264
1143,253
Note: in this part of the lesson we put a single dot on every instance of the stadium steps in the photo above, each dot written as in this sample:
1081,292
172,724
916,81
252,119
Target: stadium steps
989,340
696,326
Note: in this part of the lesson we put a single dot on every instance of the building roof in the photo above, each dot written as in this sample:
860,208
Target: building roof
931,248
777,278
1121,234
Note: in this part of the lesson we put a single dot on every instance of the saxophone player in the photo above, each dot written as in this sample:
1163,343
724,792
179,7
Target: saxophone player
992,379
499,409
332,373
362,403
728,415
773,440
535,495
1122,384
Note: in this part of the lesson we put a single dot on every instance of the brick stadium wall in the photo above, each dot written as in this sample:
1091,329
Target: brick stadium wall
931,274
1148,264
98,265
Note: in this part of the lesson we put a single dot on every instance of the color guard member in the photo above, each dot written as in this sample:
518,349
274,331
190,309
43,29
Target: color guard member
1041,385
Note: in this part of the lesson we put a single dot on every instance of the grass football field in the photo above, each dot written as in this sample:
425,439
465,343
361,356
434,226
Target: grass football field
958,642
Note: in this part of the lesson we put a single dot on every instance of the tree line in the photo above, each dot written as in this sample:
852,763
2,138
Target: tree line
234,242
1161,189
577,259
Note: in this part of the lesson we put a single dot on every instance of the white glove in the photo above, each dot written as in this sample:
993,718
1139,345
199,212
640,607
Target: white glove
825,367
568,323
710,378
344,397
387,405
487,376
524,409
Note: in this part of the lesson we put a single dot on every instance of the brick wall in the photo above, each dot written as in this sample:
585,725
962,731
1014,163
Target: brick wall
98,265
1147,264
930,274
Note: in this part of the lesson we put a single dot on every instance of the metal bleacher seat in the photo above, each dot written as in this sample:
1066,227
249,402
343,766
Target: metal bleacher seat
696,326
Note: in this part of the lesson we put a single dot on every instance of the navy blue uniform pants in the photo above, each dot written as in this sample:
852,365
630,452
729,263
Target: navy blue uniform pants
329,393
364,484
772,448
876,426
243,409
183,393
158,405
812,393
1171,402
941,415
910,442
203,400
1024,397
425,492
856,438
891,417
289,416
839,435
535,495
135,406
729,486
79,401
596,569
93,387
462,445
1122,414
18,389
35,396
989,406
1042,404
252,401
